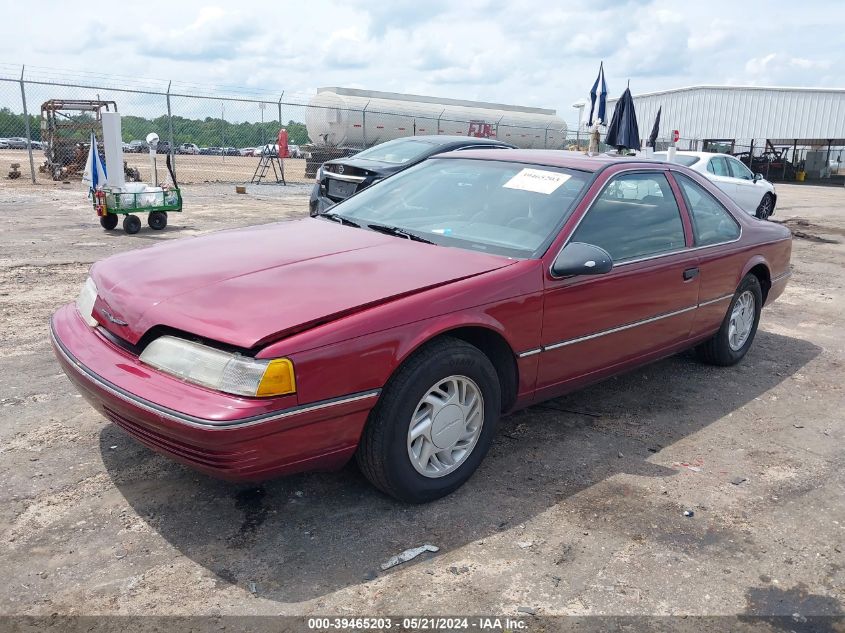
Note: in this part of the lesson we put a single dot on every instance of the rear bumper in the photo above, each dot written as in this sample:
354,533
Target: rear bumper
778,286
224,436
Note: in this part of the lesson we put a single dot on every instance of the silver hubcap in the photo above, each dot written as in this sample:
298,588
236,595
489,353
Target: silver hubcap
742,320
445,426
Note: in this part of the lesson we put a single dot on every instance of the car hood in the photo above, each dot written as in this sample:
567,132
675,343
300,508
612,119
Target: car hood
247,287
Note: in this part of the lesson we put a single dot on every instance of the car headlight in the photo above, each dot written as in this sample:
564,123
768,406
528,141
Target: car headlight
85,302
216,369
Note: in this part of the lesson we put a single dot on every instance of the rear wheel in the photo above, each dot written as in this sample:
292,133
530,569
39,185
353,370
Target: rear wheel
433,424
157,220
734,338
766,207
131,224
108,221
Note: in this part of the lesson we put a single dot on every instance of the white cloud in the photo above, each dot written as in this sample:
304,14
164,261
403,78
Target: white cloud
776,68
526,52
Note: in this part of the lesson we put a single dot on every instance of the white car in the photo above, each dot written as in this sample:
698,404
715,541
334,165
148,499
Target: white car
754,194
188,148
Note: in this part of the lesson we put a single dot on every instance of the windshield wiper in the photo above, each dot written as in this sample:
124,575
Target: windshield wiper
399,232
336,217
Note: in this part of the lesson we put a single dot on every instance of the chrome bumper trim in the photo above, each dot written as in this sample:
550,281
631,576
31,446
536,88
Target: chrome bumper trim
336,176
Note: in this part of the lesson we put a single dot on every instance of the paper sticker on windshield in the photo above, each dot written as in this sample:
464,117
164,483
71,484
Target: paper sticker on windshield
537,180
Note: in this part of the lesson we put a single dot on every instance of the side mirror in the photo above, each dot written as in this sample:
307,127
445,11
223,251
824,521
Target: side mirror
758,177
578,258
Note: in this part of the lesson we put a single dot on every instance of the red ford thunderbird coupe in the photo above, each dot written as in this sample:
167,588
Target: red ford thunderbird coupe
400,326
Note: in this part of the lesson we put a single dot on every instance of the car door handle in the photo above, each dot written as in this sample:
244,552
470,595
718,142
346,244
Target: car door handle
690,273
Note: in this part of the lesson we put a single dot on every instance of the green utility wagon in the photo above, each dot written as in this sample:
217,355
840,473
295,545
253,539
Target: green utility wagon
109,204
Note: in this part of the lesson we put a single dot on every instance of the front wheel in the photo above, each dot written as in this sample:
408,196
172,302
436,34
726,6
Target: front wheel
734,338
766,207
433,424
108,221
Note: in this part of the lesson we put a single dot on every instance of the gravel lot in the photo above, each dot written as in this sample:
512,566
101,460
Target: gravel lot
189,169
578,509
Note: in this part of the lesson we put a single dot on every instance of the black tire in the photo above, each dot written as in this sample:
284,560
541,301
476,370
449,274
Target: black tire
383,450
766,207
108,221
718,350
131,224
157,220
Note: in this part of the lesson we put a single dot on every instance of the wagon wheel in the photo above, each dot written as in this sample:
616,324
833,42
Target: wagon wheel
131,224
157,220
108,221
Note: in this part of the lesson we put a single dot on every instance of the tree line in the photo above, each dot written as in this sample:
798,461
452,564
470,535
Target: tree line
208,132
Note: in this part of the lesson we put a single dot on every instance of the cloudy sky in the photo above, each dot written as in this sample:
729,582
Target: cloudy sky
538,53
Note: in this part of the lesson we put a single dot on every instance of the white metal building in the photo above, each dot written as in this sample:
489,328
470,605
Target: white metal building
810,116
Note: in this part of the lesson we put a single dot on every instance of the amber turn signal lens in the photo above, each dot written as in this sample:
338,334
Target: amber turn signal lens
278,379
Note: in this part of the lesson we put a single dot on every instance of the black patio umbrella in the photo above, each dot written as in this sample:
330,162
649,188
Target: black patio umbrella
623,130
652,138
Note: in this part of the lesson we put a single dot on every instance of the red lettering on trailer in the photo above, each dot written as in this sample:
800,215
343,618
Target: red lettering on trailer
356,125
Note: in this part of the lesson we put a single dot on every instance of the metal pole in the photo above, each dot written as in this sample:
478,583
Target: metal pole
261,107
438,119
280,107
223,132
364,123
26,124
170,133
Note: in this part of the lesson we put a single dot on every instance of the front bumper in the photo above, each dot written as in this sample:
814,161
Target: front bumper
318,203
226,436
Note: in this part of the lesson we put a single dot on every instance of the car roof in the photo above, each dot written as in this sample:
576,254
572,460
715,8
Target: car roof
445,139
699,154
549,157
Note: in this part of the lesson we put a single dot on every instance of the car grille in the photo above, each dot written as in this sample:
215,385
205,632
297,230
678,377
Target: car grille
200,456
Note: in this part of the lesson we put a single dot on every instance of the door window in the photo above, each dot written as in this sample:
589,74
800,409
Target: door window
711,222
738,170
635,216
719,167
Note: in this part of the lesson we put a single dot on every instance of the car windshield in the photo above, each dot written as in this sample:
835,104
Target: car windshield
681,159
396,152
498,207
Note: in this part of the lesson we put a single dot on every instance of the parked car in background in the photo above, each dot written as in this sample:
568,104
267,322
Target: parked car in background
231,151
126,147
163,147
340,178
4,143
270,149
138,146
247,151
753,193
492,280
16,142
205,151
188,148
294,151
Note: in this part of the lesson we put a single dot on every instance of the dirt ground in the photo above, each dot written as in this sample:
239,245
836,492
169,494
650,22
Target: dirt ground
578,508
189,169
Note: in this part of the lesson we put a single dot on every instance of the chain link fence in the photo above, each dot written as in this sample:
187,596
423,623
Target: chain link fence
211,134
215,134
